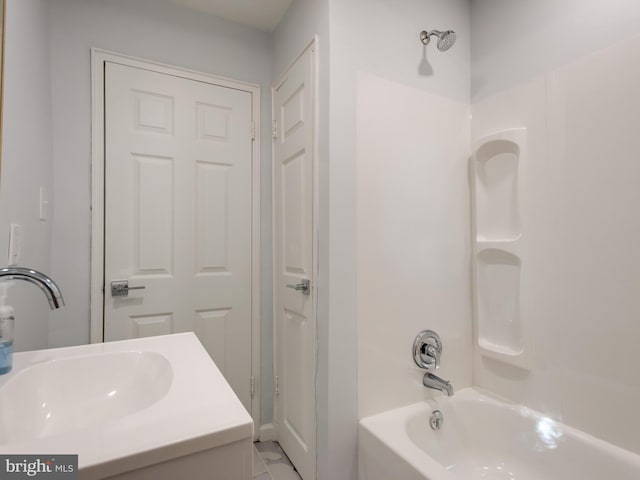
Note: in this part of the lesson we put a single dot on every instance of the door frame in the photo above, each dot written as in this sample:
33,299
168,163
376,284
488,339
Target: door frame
313,45
98,59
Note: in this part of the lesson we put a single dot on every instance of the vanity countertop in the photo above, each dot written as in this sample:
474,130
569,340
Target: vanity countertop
194,408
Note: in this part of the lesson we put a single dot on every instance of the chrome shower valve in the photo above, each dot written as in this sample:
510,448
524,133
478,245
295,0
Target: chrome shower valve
427,349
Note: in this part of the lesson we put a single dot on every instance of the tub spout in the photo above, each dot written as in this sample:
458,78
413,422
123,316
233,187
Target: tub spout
433,381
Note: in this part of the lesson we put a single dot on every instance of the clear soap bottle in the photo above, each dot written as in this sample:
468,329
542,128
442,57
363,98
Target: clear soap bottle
6,330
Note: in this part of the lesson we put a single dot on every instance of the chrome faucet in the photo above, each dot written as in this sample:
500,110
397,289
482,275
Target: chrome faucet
433,381
40,280
427,348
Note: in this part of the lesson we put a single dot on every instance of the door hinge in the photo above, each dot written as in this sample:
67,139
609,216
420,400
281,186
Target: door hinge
274,129
277,386
252,386
253,130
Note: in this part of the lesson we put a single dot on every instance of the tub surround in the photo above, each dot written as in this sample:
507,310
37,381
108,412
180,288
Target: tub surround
579,263
193,420
413,240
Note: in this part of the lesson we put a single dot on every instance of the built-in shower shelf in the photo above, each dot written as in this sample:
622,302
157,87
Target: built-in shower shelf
519,358
490,349
484,238
498,168
498,163
510,246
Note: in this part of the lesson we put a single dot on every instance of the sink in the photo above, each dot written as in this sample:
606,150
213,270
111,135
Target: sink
36,402
155,406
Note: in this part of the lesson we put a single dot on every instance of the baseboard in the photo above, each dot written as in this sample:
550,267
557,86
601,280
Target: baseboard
267,432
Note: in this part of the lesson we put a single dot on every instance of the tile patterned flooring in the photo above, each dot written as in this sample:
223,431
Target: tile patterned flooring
271,463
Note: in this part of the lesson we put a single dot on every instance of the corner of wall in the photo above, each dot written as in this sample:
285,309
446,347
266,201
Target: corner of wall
27,159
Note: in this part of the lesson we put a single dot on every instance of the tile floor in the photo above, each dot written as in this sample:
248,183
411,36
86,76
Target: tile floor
270,463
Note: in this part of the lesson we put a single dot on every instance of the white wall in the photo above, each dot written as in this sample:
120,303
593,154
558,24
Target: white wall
27,161
580,261
381,38
514,41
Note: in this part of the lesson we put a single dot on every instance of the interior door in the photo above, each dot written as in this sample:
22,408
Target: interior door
178,190
295,359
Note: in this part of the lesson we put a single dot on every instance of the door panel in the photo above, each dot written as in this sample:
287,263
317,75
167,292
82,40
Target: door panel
293,263
178,206
293,213
212,215
153,235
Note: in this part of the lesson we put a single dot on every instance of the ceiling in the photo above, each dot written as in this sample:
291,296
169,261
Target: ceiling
262,14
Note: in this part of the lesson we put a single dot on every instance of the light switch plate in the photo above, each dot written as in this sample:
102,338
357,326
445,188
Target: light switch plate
44,204
15,244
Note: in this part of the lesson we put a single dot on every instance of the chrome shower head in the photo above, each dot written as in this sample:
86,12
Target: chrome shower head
446,39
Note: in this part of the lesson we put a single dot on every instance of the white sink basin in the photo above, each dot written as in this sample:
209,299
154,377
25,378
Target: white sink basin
36,402
124,406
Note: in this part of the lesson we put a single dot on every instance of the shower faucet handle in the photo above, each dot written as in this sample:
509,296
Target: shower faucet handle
427,348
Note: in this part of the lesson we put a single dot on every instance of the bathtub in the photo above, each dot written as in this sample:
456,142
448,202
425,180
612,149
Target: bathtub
484,438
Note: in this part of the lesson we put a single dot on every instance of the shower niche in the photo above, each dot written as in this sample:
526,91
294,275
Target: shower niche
497,206
497,170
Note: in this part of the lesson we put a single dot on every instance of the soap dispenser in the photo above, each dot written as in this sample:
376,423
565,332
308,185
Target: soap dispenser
6,330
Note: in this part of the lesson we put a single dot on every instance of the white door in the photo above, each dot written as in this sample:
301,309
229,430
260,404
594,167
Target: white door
178,196
295,359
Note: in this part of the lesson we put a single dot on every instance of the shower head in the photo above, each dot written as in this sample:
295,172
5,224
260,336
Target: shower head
446,39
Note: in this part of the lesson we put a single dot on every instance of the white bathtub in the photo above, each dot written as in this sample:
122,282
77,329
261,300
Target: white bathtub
484,438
